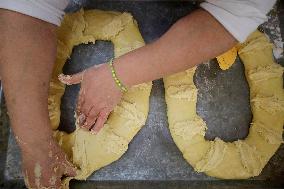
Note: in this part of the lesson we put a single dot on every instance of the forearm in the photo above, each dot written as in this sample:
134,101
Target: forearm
193,39
28,48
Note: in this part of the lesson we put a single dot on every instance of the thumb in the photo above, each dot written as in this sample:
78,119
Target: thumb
70,171
71,79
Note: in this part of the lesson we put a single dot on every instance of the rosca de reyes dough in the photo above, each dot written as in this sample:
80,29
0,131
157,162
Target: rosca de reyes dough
227,59
242,158
90,152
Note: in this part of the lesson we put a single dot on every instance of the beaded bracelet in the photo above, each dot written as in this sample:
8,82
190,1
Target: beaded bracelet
114,76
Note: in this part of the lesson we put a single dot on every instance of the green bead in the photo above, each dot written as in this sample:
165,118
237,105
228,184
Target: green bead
116,80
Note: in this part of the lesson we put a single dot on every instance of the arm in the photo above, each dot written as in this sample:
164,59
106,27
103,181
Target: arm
192,40
195,38
27,51
185,45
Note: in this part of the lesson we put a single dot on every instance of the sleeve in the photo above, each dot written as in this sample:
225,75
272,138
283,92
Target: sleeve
239,17
51,11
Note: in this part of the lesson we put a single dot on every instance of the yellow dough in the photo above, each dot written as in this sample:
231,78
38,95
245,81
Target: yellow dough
87,151
243,158
227,59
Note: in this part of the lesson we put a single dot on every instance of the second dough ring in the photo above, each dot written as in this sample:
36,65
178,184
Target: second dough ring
243,158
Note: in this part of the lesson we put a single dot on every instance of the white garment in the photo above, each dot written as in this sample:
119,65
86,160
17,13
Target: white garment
239,17
51,11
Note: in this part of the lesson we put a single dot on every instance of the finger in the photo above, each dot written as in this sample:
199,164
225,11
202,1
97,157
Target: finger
69,169
70,172
26,179
91,119
80,101
100,121
81,119
87,109
71,79
55,182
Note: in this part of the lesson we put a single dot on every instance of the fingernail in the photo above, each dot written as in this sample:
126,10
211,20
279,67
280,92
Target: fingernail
64,78
61,77
81,119
93,132
84,125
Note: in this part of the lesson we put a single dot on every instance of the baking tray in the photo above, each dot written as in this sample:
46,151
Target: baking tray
153,160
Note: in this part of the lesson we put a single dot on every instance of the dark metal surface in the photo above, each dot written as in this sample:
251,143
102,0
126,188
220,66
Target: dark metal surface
153,160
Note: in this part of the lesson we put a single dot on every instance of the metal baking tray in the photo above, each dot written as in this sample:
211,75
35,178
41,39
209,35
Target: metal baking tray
153,160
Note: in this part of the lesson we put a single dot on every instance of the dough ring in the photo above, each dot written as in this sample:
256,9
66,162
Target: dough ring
243,158
87,151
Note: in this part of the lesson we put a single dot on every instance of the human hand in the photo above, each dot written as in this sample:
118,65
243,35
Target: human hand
45,165
97,97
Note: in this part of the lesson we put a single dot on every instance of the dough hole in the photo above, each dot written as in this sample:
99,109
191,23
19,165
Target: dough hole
215,96
83,56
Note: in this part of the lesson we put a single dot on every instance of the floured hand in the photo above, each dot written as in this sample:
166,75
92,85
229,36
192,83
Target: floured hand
45,165
97,97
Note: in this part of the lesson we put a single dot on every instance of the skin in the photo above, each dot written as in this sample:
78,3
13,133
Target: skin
186,44
27,51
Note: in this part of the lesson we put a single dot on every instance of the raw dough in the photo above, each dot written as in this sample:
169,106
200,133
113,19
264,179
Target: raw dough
227,59
243,158
87,151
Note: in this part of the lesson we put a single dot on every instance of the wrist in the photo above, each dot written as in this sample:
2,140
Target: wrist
104,73
33,140
37,146
118,82
139,66
123,71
